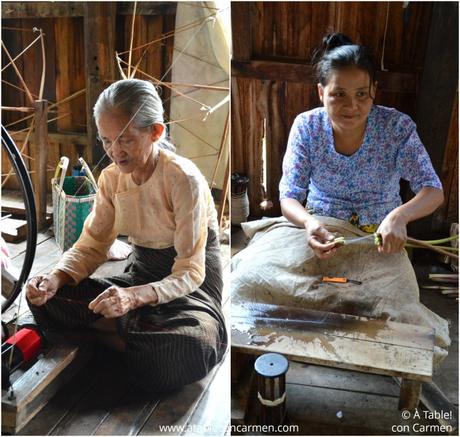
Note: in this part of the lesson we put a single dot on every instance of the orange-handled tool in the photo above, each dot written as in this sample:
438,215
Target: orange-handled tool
339,280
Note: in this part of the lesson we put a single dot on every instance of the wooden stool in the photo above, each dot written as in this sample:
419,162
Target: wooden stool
271,371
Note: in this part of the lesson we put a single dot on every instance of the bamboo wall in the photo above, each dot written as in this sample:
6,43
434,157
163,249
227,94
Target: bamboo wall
272,79
68,66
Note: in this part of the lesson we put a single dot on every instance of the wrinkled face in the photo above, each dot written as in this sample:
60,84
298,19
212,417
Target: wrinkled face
347,98
133,148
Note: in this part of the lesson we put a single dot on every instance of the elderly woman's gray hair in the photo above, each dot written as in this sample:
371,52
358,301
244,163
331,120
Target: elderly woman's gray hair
130,96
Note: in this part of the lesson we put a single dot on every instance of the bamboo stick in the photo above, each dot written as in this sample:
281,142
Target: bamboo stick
20,89
26,140
221,149
118,59
42,81
49,121
66,99
20,29
193,85
159,82
431,247
171,33
17,56
132,40
17,108
198,137
29,96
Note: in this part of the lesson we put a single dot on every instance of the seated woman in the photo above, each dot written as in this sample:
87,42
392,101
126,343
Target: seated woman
349,156
165,309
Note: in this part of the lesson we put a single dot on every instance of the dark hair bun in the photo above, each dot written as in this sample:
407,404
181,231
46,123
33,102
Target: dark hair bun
334,40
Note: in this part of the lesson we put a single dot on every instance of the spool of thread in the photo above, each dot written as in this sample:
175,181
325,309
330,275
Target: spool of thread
271,371
24,346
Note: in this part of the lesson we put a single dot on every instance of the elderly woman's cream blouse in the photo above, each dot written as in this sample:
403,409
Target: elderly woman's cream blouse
174,207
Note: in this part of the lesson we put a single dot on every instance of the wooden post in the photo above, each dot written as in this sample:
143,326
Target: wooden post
167,56
99,36
438,88
409,394
39,152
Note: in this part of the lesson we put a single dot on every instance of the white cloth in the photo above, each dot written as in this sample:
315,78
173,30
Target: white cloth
278,267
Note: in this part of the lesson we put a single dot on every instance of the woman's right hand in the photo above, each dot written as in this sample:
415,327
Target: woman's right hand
320,240
40,289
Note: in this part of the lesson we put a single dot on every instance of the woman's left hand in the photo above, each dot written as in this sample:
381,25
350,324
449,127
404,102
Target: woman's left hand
393,230
114,302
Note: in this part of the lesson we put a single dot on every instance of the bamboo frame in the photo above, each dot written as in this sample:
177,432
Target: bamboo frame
18,56
29,95
64,100
42,81
17,108
26,141
159,82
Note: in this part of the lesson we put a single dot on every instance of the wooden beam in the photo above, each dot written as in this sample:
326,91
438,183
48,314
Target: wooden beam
99,39
76,9
241,25
147,8
41,9
39,146
301,72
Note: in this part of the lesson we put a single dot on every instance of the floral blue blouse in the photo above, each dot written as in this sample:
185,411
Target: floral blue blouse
366,183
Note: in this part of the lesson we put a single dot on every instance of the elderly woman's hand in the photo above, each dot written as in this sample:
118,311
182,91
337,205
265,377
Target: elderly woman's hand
320,240
41,289
393,230
117,301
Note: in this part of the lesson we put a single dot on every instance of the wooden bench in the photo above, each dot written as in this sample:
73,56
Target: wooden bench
36,386
338,340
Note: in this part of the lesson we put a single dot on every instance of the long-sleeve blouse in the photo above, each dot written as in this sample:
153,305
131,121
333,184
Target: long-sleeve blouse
173,208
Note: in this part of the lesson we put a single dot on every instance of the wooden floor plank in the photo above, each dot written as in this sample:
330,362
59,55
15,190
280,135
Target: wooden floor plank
17,249
315,410
66,399
212,416
129,415
207,419
91,410
446,377
176,408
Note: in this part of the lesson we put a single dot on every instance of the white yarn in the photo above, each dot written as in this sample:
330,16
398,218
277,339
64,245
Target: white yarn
270,403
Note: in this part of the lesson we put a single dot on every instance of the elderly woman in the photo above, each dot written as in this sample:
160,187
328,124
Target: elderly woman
164,311
345,159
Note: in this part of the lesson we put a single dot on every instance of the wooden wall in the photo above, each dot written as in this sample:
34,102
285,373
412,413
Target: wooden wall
76,61
272,79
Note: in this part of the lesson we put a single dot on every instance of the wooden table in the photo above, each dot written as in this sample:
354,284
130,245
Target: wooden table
338,340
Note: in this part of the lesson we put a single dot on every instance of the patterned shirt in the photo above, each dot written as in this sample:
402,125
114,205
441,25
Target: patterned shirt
365,183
